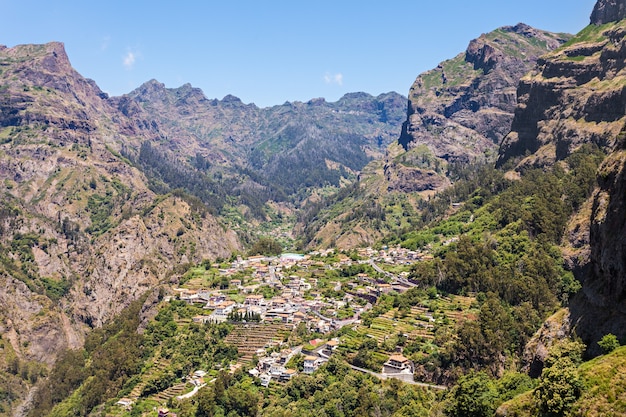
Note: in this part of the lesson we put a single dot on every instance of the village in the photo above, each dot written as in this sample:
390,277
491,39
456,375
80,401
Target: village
297,299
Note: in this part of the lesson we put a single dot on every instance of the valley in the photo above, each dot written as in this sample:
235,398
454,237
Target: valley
456,252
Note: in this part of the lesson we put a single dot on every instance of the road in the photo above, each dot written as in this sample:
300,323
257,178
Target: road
384,377
392,276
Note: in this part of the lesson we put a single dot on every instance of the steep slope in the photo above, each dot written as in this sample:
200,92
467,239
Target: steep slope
575,96
81,234
458,112
462,109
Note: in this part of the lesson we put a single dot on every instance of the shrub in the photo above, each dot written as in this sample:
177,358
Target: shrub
609,343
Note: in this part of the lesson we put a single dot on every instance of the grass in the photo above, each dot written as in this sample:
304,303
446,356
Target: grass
605,381
591,33
604,394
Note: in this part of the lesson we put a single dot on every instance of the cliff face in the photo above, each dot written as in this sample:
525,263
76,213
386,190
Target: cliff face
606,11
577,95
463,108
81,234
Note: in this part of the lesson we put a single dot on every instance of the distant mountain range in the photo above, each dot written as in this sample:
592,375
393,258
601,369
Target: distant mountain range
278,153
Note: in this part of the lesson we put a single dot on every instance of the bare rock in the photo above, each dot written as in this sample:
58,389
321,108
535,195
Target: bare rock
554,329
606,11
462,109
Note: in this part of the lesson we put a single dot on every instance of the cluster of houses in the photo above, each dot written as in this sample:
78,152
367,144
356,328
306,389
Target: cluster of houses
290,305
292,310
273,367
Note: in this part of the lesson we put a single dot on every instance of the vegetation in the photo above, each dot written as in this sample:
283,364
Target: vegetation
478,395
334,390
114,353
117,359
267,247
608,343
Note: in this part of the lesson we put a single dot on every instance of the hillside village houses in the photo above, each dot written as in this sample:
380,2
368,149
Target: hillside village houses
289,305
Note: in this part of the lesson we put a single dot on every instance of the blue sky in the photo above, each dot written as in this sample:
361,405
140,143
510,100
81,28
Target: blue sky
269,52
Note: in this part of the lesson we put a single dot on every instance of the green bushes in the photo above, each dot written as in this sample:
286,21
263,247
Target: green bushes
560,384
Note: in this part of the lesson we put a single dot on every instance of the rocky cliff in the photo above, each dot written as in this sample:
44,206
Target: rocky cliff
577,95
606,11
462,109
81,233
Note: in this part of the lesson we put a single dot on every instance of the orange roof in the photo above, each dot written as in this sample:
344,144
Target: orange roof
398,358
226,304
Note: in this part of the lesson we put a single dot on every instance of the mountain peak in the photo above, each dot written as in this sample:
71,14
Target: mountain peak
355,96
606,11
50,57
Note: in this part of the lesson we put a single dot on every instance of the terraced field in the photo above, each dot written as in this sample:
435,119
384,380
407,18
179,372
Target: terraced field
418,325
250,337
422,320
159,366
173,391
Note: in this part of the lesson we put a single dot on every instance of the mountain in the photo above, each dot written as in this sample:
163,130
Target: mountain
107,198
458,112
576,96
278,153
461,110
81,233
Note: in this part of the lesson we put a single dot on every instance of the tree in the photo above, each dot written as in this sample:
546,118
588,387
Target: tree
475,395
206,403
266,246
609,343
560,384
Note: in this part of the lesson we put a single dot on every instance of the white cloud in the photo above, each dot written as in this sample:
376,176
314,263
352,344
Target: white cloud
333,78
129,60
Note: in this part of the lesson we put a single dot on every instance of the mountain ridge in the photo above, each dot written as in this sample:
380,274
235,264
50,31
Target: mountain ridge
69,197
457,113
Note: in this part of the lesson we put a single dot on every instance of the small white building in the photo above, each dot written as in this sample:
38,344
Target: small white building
312,363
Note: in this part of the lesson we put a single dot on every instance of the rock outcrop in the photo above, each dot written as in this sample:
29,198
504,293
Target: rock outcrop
462,109
577,95
607,11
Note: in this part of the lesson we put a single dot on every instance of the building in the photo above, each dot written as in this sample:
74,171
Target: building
311,363
287,375
126,403
330,347
201,319
385,288
398,364
224,308
265,379
254,300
